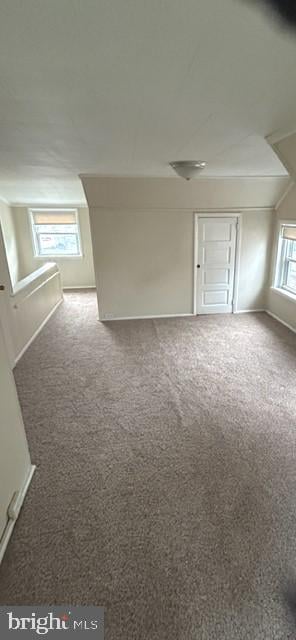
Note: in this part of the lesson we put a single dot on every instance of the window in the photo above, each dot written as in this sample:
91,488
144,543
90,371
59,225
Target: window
55,232
286,267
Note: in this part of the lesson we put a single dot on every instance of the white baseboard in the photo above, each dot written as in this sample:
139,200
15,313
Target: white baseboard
21,353
169,315
86,286
249,311
281,321
18,505
186,315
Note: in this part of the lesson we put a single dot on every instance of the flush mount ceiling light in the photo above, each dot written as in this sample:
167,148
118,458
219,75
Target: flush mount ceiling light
188,168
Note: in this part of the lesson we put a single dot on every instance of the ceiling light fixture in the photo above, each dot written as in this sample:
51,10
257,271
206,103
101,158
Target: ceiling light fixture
188,168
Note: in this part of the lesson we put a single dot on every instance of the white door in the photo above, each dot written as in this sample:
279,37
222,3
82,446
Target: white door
216,245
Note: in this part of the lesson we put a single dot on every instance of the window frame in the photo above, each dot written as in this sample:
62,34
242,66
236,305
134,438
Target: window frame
283,260
35,239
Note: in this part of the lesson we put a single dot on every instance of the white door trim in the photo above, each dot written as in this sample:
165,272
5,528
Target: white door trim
216,214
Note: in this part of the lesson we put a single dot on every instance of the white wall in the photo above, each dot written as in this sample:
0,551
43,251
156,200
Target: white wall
9,237
144,262
75,272
15,464
283,307
143,252
256,248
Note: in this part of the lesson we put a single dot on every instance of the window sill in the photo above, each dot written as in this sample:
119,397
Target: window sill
55,258
285,294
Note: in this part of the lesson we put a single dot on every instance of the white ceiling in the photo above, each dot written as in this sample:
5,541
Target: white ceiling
121,87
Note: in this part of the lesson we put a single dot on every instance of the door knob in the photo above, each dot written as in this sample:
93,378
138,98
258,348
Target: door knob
198,266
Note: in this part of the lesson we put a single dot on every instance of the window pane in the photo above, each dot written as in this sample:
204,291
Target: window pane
291,276
293,253
51,244
56,228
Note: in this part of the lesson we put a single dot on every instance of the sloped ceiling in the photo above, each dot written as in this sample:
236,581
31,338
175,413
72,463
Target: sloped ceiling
285,148
117,87
175,193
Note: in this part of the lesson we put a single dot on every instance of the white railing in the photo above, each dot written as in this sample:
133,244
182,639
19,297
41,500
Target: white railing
32,302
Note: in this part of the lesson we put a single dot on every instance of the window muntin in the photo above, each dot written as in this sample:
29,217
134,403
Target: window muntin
286,272
55,232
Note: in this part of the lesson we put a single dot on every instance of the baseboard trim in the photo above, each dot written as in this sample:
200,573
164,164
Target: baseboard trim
87,286
192,315
21,353
11,522
169,315
249,311
281,321
173,315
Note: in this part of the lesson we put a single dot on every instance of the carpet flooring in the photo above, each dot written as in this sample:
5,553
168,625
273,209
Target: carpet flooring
166,481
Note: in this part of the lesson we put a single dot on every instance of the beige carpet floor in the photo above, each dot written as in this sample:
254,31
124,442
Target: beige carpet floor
166,480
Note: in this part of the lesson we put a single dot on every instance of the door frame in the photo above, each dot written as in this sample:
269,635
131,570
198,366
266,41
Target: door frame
5,307
217,214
